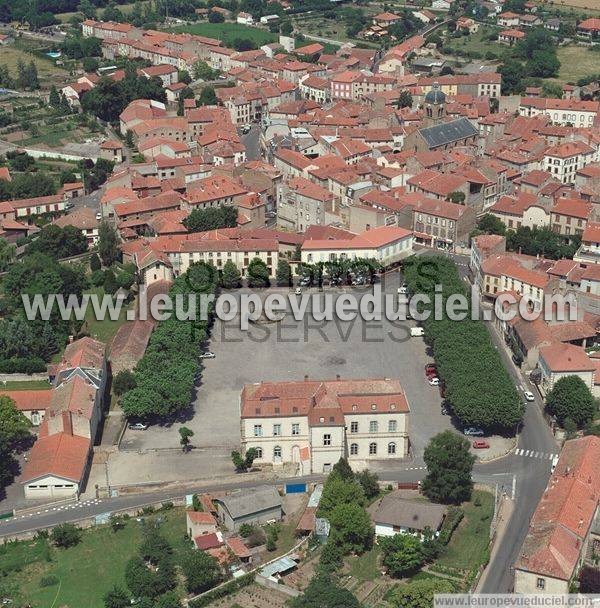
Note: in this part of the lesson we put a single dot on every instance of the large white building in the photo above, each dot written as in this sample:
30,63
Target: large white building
386,244
313,423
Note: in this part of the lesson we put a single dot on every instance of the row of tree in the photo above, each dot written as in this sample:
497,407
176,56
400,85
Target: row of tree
477,385
14,435
164,377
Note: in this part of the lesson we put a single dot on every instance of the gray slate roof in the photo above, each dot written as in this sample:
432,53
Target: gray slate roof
241,503
448,132
399,512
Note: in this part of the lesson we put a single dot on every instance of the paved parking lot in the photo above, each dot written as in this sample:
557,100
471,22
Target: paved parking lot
289,350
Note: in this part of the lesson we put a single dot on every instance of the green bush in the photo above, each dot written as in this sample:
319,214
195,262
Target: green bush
453,518
49,581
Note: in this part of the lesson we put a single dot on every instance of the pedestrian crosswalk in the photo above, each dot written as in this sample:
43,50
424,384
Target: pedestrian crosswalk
73,505
534,454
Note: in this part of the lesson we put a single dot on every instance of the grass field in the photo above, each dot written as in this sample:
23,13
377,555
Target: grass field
47,71
478,42
469,544
25,385
590,7
364,567
106,329
84,572
126,9
577,62
228,32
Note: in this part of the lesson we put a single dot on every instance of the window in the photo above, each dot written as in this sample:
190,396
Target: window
392,426
276,430
277,452
373,426
353,449
295,429
354,427
391,448
258,430
327,439
372,449
541,583
259,452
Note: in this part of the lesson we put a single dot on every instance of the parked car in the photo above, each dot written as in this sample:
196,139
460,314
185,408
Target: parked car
529,396
431,370
207,355
417,331
480,444
138,426
554,463
246,129
403,288
434,381
473,431
445,411
98,216
298,291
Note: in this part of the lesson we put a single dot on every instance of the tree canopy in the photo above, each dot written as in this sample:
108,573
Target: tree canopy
571,398
211,218
449,467
59,242
322,592
419,593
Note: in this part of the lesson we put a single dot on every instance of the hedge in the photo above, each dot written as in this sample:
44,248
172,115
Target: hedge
22,365
453,518
223,591
477,385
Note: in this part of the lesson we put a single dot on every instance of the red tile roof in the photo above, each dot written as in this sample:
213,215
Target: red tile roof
30,400
565,512
561,357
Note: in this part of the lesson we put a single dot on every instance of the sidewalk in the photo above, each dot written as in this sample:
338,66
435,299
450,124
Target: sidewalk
505,512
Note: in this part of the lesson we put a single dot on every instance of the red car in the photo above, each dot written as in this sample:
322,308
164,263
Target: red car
430,370
480,444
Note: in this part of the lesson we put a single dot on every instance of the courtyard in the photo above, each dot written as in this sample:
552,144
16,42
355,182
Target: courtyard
277,351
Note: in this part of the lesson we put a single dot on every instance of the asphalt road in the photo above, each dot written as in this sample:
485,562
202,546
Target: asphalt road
252,142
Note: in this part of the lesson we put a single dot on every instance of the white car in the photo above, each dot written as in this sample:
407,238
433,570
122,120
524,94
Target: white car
529,396
473,432
138,426
434,381
98,216
207,355
298,291
403,289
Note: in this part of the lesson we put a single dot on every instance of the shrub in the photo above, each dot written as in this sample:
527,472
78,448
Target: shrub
453,518
49,580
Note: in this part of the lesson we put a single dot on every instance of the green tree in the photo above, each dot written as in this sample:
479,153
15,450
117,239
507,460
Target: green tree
117,598
449,467
66,535
170,599
402,554
369,483
258,274
405,99
231,277
570,397
108,240
185,435
490,224
343,470
284,274
457,197
286,27
352,527
14,429
322,592
339,491
123,381
202,71
54,98
543,64
54,241
142,582
110,282
243,463
207,96
215,17
211,218
129,139
512,73
7,254
419,593
155,547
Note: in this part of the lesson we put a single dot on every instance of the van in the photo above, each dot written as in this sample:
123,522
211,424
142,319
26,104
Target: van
554,463
417,331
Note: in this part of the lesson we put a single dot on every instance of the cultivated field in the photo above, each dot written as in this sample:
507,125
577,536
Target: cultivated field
228,32
47,71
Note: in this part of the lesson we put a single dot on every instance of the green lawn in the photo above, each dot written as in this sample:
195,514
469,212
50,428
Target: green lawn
364,567
478,42
25,385
577,62
228,32
85,572
468,546
106,329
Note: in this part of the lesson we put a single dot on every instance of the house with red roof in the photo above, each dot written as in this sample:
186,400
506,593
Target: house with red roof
313,423
58,461
522,209
590,28
564,160
570,216
32,403
563,533
558,360
301,203
589,251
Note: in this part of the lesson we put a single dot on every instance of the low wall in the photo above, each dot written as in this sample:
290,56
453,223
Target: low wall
23,377
58,155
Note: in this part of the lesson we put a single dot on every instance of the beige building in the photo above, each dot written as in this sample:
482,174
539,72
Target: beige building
386,244
309,425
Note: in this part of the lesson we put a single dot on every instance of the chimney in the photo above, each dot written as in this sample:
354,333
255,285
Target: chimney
305,377
337,376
